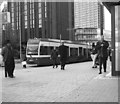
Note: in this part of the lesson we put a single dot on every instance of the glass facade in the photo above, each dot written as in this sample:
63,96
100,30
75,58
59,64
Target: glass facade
86,14
86,34
32,15
41,20
117,37
40,15
87,20
25,14
12,15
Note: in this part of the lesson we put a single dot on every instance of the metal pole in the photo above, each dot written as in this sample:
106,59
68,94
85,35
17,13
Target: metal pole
20,45
60,39
20,31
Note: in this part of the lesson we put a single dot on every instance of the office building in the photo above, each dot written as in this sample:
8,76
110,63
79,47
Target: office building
89,19
40,20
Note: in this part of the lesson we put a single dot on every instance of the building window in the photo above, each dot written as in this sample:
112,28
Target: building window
13,26
45,9
25,7
39,5
17,25
12,19
32,14
25,18
25,24
40,16
25,12
12,4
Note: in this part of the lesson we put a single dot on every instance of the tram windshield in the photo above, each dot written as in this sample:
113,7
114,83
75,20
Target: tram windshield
32,49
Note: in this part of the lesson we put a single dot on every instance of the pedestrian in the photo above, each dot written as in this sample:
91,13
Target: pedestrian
102,46
94,55
63,55
110,54
24,59
54,57
8,58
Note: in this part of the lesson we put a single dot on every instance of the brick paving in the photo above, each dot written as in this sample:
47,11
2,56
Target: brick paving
97,90
78,83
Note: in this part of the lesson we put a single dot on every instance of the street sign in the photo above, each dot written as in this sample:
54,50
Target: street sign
5,17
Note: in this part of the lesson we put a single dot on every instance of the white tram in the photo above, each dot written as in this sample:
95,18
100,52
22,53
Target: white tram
38,51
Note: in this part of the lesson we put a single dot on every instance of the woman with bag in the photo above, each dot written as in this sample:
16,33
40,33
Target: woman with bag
94,55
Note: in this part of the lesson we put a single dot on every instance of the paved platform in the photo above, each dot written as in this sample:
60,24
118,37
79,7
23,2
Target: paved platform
78,83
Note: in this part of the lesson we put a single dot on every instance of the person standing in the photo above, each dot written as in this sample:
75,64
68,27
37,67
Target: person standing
63,55
54,57
94,55
102,46
110,54
8,58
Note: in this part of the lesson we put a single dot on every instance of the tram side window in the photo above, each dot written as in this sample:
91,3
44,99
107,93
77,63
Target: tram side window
73,52
84,52
43,50
46,50
50,50
80,51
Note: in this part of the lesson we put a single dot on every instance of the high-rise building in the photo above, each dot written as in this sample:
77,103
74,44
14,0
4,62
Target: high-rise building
40,20
3,8
89,18
52,19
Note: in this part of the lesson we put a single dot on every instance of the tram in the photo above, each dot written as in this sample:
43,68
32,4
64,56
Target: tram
38,51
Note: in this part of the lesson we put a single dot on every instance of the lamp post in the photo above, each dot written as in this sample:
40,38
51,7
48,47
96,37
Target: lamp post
87,43
20,40
71,33
60,39
20,31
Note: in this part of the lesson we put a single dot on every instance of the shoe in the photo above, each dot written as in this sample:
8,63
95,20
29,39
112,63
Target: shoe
100,72
105,71
12,76
93,67
56,66
6,75
62,69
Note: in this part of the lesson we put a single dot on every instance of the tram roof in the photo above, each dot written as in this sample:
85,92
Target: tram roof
37,40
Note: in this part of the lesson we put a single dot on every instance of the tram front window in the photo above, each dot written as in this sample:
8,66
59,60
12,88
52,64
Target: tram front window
32,50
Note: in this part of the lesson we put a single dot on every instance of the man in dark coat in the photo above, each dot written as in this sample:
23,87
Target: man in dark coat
8,58
63,55
101,47
54,57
